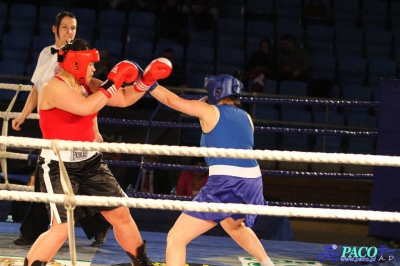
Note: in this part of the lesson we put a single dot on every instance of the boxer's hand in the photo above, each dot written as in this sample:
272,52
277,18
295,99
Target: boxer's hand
124,71
159,68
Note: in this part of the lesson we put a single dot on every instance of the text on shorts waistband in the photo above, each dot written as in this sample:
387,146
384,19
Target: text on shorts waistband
67,156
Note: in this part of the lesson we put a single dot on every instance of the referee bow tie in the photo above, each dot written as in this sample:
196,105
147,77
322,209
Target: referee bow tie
54,50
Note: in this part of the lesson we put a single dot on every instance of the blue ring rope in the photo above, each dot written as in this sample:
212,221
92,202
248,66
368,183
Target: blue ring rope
144,123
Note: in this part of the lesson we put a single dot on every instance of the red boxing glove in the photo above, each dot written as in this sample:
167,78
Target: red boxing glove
123,72
159,68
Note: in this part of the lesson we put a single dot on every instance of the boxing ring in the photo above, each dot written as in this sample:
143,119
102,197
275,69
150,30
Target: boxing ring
328,254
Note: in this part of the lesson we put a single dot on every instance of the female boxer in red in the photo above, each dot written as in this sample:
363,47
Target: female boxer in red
67,104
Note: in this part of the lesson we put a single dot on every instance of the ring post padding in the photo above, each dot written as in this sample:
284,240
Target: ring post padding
385,189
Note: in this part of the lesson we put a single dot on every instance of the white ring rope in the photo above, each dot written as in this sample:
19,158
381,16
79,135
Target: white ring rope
8,186
291,156
17,114
15,87
206,207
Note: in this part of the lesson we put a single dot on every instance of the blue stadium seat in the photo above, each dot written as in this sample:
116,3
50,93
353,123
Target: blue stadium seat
230,10
378,43
230,32
297,142
352,70
349,41
322,66
3,11
139,51
230,41
138,19
270,86
295,88
16,46
265,112
22,18
190,136
357,93
195,79
260,9
374,7
23,12
374,14
260,29
394,12
345,6
47,13
141,25
380,68
203,38
361,145
289,11
111,24
349,49
265,140
328,143
13,68
201,54
319,38
38,43
113,46
87,20
229,59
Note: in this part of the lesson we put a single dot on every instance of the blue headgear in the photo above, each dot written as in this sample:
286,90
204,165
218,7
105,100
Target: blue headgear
222,86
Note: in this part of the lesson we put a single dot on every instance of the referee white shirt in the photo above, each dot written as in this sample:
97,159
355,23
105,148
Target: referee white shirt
46,67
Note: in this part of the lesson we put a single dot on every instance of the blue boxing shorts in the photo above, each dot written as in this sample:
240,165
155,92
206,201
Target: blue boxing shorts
230,189
88,175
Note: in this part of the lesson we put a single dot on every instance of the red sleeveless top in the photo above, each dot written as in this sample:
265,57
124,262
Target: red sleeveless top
59,124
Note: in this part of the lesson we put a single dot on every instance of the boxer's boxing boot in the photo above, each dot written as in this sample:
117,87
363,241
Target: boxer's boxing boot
35,263
141,258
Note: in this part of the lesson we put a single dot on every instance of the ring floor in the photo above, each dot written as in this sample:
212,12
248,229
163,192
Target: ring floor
205,250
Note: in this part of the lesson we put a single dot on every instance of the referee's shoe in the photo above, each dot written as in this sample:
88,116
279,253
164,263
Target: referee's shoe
101,238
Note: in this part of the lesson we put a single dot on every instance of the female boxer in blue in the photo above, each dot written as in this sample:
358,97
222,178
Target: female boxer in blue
224,125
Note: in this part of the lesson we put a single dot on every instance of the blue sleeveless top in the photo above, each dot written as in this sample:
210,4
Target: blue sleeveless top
233,130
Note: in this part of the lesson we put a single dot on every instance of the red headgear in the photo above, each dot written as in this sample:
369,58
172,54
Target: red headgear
77,62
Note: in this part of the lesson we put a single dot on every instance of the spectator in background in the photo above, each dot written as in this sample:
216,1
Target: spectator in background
173,21
293,61
261,65
103,67
190,182
178,74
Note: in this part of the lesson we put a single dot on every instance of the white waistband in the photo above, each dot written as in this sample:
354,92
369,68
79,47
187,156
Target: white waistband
67,156
245,172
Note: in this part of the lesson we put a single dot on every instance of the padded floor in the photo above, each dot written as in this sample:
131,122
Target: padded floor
205,250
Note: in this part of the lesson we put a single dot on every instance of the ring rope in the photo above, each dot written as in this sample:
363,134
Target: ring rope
315,102
292,156
179,167
206,207
144,195
69,202
145,123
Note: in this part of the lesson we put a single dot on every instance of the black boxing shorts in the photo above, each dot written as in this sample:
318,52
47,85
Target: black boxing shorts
88,175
